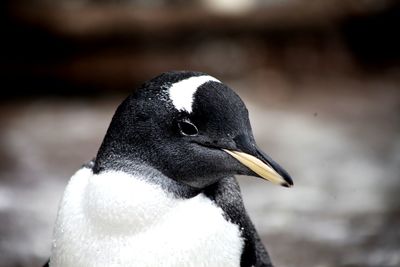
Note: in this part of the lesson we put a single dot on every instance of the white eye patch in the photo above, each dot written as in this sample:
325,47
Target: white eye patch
182,92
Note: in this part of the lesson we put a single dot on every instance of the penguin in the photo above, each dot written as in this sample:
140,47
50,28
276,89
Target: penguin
161,190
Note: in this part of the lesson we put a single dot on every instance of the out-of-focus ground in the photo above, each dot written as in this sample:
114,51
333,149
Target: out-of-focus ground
322,103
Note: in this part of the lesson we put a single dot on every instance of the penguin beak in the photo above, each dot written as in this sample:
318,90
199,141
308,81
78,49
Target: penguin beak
263,166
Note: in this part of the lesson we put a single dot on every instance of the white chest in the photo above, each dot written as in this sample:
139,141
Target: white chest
115,219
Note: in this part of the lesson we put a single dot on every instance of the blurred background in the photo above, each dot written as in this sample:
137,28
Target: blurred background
321,80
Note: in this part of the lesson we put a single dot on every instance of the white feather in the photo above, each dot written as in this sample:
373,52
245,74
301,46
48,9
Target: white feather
116,219
182,92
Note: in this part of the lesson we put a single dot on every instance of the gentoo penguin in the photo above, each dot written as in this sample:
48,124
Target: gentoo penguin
161,190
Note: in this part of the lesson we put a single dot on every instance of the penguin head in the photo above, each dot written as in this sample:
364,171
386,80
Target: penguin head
189,126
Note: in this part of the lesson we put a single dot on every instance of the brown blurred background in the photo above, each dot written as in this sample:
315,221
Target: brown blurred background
321,80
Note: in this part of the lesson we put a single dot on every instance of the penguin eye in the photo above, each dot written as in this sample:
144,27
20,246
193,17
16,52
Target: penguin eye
187,128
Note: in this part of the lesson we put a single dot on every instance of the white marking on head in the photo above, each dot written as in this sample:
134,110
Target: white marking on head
181,93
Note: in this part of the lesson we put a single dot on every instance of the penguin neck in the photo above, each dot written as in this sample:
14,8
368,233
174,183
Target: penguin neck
140,168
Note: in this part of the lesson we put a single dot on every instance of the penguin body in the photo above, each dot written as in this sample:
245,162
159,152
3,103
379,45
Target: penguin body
119,219
161,190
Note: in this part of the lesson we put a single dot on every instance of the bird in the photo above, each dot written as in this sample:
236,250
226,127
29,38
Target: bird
161,190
